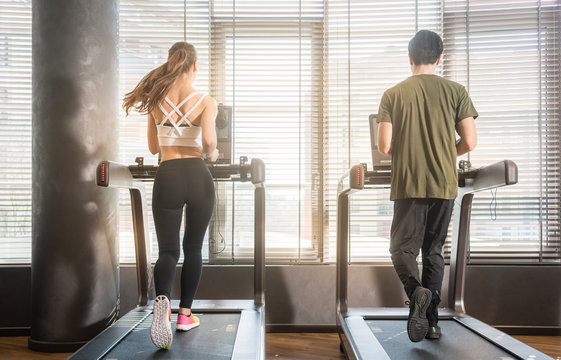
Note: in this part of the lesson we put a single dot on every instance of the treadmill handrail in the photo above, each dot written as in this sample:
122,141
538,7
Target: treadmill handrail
488,177
500,174
357,339
352,180
258,180
492,176
113,174
254,172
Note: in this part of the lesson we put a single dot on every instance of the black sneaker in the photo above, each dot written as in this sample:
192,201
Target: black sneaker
433,332
417,323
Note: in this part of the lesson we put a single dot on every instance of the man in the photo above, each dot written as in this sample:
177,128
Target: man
417,120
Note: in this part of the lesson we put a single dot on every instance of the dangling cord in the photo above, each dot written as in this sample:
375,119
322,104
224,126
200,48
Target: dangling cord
493,205
217,220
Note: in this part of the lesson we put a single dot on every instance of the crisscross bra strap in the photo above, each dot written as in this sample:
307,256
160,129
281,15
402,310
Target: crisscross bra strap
175,109
184,117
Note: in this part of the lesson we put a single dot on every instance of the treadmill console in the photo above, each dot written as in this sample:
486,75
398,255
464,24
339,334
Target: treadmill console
224,134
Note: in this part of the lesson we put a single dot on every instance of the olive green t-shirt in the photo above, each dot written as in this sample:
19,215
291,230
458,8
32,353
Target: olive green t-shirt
424,110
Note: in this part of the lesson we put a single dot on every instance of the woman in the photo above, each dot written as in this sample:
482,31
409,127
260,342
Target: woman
180,128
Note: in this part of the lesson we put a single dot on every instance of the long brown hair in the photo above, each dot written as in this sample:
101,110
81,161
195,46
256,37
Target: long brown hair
151,90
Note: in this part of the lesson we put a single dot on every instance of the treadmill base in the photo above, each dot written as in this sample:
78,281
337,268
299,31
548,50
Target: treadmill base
457,342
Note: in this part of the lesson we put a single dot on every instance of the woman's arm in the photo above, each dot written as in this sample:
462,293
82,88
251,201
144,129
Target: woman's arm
152,134
208,118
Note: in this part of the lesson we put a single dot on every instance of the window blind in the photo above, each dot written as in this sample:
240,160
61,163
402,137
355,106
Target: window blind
302,77
366,53
146,31
265,61
15,131
507,55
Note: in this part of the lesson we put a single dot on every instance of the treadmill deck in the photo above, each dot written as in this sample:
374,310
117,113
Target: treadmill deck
457,342
213,339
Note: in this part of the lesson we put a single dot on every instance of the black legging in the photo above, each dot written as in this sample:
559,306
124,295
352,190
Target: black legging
179,182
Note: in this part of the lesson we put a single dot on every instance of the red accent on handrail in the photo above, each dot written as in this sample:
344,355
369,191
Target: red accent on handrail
102,172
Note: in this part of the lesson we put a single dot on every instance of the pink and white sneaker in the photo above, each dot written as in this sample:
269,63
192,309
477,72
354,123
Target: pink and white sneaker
160,331
185,322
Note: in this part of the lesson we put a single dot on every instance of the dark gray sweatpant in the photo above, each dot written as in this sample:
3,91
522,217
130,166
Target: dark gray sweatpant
420,224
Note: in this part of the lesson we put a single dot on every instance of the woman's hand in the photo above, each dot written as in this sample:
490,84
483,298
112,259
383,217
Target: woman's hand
213,156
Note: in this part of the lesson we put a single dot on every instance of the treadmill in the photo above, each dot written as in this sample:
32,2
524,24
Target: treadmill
381,333
230,329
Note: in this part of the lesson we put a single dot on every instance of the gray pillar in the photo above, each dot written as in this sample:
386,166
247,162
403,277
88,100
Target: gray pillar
74,279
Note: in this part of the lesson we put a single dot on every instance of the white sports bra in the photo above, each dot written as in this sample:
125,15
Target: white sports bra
178,135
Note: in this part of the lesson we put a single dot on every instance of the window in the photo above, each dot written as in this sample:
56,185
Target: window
302,77
147,30
366,53
508,56
15,131
266,62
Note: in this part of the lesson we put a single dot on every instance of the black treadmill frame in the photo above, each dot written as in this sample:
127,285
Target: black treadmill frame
357,339
250,337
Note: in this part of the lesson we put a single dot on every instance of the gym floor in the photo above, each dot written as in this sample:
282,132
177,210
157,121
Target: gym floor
280,346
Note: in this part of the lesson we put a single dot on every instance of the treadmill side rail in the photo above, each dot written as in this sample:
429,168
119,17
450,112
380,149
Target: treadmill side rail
247,345
502,340
110,337
363,344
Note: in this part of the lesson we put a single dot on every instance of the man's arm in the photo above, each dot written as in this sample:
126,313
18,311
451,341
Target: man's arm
468,136
385,138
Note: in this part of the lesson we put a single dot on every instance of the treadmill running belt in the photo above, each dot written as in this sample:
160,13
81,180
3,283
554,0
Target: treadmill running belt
213,339
457,342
